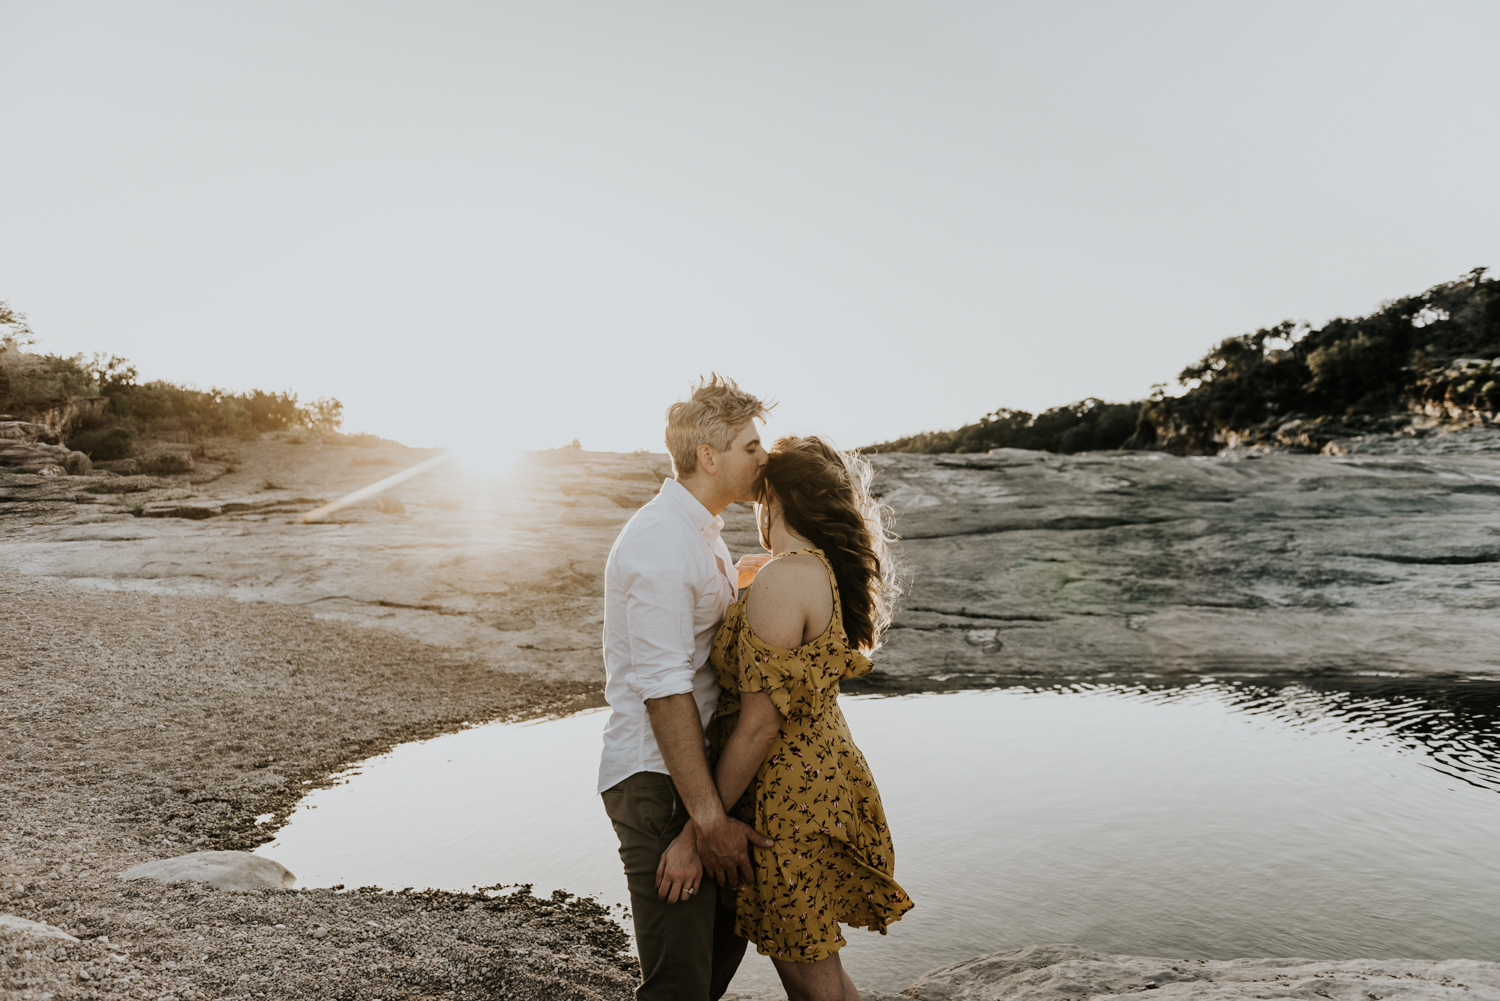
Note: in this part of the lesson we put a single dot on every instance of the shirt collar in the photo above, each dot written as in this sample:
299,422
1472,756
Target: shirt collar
708,525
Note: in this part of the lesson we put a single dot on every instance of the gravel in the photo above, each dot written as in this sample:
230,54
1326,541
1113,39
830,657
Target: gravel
136,726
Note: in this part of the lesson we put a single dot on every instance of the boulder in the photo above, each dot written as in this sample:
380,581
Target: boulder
10,925
15,430
1070,972
221,870
44,457
125,467
20,452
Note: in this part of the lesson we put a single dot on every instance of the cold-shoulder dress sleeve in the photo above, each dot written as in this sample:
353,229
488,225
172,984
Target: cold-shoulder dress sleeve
797,681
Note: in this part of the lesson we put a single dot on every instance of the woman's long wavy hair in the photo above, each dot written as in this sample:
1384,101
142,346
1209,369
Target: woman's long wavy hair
825,498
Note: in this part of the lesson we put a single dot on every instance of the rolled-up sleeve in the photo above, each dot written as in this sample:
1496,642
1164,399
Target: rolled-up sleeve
659,621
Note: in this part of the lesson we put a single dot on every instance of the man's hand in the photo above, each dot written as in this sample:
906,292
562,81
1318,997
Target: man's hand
749,566
720,839
724,852
679,874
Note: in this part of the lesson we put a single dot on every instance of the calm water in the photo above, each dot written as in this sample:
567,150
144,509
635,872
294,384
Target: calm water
1211,820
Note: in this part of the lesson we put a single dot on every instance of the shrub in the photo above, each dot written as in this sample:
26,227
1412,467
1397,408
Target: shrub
272,411
167,462
102,444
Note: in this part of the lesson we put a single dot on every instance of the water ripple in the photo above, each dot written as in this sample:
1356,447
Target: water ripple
1453,725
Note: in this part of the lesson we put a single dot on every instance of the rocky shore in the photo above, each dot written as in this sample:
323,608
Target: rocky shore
184,659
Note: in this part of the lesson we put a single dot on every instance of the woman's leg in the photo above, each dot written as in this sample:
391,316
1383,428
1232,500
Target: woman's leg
824,980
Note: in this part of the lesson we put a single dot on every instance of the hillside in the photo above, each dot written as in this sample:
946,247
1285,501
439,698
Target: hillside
99,406
1417,362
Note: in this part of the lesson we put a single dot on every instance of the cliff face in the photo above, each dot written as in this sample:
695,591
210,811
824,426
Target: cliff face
1020,562
66,416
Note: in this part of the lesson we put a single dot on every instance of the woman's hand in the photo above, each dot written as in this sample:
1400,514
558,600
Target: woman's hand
679,873
749,566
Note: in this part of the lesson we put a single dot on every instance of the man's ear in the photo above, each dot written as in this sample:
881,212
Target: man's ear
708,459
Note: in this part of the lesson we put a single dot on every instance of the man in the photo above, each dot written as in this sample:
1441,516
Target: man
667,586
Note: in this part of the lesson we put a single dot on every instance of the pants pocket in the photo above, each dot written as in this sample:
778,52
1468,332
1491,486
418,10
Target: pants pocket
645,804
661,809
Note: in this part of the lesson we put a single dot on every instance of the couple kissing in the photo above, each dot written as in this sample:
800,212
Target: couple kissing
744,809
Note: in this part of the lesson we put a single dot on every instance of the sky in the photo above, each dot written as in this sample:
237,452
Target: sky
507,225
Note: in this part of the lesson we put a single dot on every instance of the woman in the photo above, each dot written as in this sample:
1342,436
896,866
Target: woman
786,760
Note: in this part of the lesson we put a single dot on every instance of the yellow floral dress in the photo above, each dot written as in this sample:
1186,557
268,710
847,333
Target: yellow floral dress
813,794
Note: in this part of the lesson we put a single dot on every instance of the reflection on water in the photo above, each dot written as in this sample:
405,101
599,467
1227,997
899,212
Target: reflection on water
1454,722
1455,725
1215,819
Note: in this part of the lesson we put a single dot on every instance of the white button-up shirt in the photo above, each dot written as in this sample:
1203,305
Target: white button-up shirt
667,586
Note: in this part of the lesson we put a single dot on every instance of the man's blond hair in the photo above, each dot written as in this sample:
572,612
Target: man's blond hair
710,416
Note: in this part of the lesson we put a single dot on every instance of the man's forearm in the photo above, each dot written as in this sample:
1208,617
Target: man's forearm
679,735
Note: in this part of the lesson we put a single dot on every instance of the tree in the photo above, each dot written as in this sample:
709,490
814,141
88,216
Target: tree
17,334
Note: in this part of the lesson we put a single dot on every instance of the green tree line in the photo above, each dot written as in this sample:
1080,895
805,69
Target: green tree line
1086,426
32,383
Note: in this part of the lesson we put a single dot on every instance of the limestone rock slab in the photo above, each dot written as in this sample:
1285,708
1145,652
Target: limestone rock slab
1150,563
1070,973
28,431
221,870
1020,563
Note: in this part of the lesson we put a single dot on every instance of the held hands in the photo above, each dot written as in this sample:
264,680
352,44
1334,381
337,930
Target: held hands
679,872
749,565
724,849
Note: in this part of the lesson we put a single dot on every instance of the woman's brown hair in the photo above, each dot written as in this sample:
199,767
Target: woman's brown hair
825,498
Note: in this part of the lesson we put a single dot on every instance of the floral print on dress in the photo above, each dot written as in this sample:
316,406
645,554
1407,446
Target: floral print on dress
814,795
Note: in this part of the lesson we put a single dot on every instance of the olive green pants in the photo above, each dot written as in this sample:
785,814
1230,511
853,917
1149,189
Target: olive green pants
688,950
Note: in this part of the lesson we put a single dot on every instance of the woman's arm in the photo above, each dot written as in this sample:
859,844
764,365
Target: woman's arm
677,874
786,593
759,723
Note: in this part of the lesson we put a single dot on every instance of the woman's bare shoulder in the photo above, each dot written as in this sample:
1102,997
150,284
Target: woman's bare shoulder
787,593
792,573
